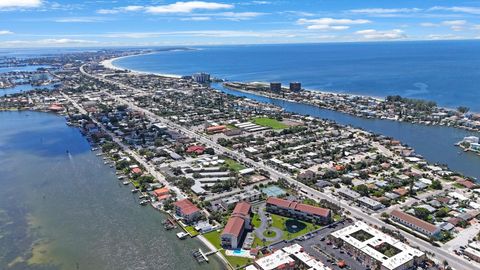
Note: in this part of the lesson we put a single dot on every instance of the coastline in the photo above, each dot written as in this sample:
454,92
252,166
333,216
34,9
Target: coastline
108,63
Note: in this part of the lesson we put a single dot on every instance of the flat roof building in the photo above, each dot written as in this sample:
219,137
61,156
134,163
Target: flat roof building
375,249
275,87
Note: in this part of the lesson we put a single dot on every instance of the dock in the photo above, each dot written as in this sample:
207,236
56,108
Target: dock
200,256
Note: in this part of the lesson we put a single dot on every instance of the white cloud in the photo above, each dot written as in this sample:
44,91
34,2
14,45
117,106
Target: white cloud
476,27
7,4
61,42
444,37
197,18
204,33
239,16
177,7
120,9
469,10
456,25
429,24
5,32
330,23
384,10
186,7
456,22
79,19
381,35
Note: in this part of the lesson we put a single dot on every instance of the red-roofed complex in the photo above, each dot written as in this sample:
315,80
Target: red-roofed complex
238,223
299,210
197,149
417,224
216,129
187,210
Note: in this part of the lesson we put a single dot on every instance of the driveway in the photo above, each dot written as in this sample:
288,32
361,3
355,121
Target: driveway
264,225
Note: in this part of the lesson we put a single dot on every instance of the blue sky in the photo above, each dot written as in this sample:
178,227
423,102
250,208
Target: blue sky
47,23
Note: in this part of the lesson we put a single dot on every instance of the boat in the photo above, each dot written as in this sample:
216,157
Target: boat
126,182
135,190
99,154
143,202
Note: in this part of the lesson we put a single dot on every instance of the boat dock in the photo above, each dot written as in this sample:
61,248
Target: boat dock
200,256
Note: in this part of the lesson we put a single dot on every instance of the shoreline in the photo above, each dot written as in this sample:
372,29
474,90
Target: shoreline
109,64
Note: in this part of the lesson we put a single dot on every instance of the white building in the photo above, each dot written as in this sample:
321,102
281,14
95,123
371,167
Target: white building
376,249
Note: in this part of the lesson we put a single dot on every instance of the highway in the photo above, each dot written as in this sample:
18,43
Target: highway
454,261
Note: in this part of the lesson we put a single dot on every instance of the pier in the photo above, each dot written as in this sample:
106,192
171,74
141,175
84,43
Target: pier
202,256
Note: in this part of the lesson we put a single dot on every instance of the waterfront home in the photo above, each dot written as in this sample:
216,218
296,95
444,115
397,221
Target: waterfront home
238,223
186,210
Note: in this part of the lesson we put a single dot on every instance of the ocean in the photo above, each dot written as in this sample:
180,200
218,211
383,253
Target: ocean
447,72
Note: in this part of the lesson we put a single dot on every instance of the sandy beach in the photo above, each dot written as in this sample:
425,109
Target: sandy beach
110,65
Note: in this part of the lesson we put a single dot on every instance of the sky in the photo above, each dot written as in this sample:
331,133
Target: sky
102,23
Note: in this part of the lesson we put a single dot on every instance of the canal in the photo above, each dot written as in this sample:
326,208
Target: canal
435,143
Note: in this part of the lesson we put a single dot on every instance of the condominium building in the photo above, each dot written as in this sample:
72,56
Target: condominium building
237,225
186,210
297,210
376,250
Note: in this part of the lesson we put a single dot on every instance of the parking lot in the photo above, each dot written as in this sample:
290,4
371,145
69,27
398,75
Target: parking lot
317,245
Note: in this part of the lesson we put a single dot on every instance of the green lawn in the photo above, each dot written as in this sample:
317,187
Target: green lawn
269,122
191,230
233,165
279,222
214,238
269,233
256,222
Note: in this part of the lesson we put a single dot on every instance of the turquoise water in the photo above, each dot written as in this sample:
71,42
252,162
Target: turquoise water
68,211
447,72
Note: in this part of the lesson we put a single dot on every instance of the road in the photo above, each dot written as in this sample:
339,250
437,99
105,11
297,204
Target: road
454,261
150,169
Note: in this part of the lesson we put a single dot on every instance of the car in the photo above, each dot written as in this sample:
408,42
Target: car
322,239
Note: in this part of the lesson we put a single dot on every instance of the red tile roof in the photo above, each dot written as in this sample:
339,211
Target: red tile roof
413,220
186,207
299,206
136,170
161,191
313,210
234,226
195,149
242,208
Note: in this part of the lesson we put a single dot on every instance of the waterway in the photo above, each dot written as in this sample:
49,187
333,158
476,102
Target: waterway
447,72
435,143
62,210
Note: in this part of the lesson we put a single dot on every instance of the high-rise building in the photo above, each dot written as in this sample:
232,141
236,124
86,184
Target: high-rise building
295,87
201,77
275,86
